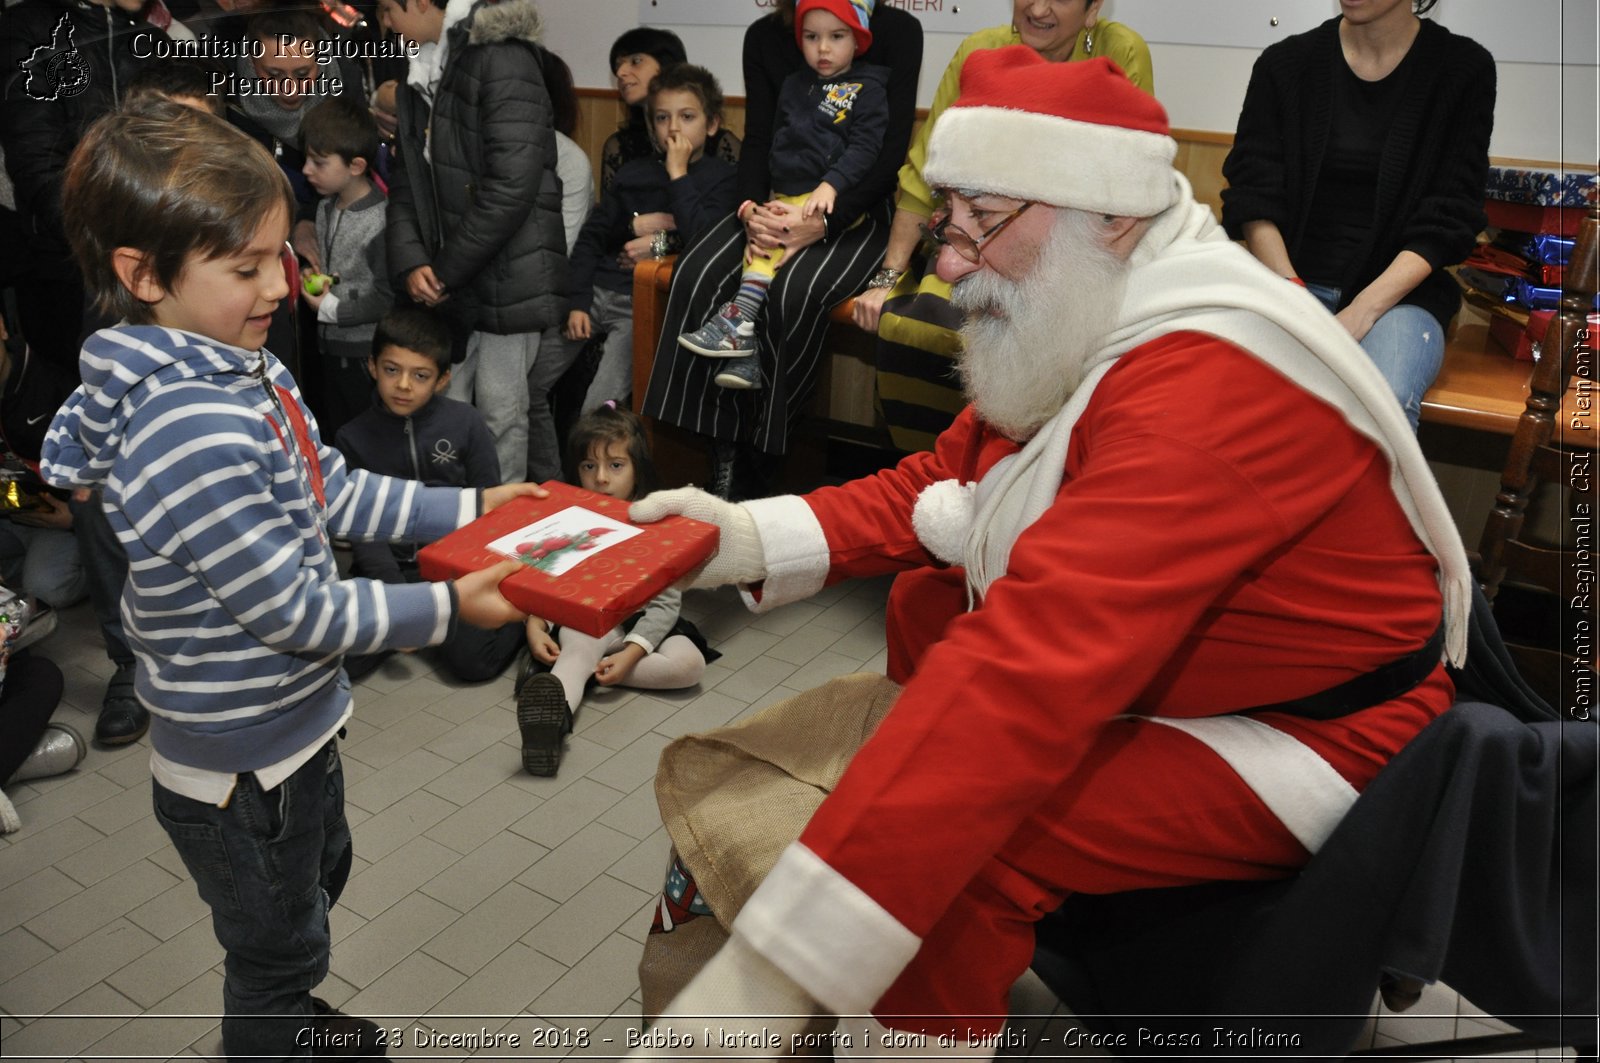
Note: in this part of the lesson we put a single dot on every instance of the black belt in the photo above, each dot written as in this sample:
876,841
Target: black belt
1384,683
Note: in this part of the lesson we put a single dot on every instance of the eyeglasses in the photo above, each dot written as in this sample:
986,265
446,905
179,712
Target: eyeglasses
943,233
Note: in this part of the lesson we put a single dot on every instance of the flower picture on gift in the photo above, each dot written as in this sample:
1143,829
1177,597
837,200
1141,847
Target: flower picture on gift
560,542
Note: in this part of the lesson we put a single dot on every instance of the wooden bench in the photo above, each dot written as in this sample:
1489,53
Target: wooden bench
1479,387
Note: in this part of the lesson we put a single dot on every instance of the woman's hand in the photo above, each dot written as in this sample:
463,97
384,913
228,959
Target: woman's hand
776,224
652,223
868,308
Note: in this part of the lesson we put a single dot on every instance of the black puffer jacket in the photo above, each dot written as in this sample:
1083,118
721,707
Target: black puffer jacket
491,225
85,76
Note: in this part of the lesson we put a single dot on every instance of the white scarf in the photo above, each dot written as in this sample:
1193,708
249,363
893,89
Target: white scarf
1188,276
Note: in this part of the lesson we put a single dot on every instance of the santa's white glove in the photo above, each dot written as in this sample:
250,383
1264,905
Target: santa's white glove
739,557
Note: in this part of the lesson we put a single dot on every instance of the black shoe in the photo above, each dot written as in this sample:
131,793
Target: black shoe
339,1036
544,720
122,719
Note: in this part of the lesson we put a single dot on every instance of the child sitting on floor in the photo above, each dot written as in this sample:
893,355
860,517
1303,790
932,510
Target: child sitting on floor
654,650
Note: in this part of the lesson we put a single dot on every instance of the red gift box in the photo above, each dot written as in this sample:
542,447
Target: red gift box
1528,218
588,566
1518,340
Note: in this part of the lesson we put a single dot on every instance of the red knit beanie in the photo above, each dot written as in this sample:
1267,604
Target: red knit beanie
1069,134
857,14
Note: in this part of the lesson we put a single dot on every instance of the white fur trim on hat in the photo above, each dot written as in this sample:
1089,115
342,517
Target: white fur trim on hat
942,518
1055,160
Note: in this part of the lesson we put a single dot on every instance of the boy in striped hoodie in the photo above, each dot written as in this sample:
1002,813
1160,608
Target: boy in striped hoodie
217,484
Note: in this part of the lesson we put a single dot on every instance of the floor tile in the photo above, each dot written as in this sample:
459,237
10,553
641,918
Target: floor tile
633,765
576,862
506,984
490,928
486,818
40,891
84,1020
598,984
88,910
383,883
363,957
475,876
412,986
564,814
63,974
568,934
390,783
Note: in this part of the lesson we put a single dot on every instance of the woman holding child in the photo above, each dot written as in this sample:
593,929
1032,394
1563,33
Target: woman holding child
829,257
916,326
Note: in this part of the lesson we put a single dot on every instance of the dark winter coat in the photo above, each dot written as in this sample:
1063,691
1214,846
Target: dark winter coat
85,74
485,211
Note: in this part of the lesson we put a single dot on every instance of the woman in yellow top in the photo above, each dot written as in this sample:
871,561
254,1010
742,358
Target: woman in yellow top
911,313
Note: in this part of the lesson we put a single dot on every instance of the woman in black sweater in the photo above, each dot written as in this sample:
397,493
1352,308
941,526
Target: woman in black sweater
829,261
1359,168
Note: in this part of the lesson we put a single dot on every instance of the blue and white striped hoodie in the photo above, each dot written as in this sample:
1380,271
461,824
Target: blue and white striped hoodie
233,605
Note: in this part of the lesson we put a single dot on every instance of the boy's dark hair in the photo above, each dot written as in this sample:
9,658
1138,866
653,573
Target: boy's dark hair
664,45
170,182
415,329
169,79
295,23
340,126
691,78
563,94
608,424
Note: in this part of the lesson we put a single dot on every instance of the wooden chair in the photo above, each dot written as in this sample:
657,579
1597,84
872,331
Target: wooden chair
1544,592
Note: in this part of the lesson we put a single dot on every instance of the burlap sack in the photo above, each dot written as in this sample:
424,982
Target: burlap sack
734,798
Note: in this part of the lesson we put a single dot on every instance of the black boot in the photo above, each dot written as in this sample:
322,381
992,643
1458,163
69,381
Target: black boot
122,719
724,458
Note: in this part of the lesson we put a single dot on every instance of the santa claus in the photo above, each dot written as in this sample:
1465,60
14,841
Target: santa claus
1175,586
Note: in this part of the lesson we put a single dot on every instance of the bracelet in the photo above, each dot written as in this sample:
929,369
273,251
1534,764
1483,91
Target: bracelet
658,243
740,212
885,278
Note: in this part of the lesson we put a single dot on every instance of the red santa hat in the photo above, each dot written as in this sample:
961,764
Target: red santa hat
1069,134
857,14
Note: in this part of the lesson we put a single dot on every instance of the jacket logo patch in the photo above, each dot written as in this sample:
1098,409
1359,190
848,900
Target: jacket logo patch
841,96
444,453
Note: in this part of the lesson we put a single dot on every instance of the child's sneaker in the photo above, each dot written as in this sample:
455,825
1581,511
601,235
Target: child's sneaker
544,720
743,374
726,335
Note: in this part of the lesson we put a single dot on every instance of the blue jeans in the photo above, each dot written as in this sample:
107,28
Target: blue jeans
269,865
1406,344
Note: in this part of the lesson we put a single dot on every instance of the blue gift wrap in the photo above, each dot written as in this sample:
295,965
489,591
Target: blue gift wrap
1542,188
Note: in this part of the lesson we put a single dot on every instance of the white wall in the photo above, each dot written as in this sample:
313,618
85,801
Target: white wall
1543,111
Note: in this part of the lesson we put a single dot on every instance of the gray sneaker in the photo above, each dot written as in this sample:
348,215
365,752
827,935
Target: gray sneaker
742,374
726,335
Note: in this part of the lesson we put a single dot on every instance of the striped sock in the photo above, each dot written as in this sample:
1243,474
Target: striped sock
752,294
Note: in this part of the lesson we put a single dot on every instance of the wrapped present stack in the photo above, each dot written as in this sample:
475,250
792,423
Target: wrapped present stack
1533,217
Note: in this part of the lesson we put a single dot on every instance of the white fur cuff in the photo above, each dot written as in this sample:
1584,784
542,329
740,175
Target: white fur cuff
795,550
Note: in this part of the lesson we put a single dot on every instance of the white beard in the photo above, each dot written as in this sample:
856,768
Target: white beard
1025,342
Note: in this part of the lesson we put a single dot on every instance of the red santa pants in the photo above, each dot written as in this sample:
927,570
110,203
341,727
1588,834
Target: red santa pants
1151,806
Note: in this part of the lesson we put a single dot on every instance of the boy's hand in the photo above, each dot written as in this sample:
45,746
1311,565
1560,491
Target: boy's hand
479,601
579,327
678,151
313,301
618,666
499,496
820,201
303,238
58,516
424,287
545,649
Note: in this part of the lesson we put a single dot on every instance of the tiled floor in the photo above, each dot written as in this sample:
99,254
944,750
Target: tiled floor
482,901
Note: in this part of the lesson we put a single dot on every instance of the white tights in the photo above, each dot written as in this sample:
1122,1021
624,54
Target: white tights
675,664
